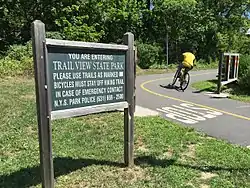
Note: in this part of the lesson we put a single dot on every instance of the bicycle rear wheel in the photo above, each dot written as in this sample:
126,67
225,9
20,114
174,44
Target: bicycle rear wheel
184,84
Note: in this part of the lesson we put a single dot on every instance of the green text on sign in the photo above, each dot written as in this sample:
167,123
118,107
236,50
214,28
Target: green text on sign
80,78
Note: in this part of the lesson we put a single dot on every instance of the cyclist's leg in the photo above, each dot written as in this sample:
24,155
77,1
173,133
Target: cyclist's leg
180,66
186,70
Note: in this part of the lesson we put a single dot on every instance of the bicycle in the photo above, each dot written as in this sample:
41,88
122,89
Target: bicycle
184,79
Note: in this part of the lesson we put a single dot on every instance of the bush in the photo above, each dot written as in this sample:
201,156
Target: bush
18,52
54,35
244,65
203,64
9,67
244,82
82,33
18,61
149,54
244,73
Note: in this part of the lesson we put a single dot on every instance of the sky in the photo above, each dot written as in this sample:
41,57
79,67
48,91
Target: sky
151,5
248,32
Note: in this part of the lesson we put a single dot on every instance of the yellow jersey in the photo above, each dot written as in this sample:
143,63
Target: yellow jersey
188,60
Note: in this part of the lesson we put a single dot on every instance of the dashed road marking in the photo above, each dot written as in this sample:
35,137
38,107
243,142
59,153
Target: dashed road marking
247,106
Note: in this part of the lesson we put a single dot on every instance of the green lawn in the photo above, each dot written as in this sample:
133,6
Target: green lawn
88,151
211,86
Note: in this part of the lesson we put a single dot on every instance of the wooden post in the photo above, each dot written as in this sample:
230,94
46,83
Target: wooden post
229,66
130,97
43,118
237,66
135,64
220,73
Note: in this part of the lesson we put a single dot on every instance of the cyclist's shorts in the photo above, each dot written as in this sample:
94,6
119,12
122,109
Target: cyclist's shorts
187,65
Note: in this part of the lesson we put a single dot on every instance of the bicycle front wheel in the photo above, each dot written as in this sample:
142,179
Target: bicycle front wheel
184,84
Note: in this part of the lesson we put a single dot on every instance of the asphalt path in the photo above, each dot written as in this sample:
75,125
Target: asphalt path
221,118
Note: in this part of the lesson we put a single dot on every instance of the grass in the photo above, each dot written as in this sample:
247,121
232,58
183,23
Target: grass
233,89
88,151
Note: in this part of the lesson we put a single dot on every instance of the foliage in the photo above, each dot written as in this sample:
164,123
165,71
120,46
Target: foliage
82,33
244,65
18,60
18,52
148,54
203,24
55,35
119,17
244,73
75,24
245,81
209,26
202,64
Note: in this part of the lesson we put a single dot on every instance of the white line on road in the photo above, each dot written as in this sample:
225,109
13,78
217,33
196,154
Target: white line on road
243,106
188,113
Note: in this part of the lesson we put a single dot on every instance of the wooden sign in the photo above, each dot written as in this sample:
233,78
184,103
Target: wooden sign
76,78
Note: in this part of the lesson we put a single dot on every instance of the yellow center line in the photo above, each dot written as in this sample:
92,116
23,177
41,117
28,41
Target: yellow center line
180,100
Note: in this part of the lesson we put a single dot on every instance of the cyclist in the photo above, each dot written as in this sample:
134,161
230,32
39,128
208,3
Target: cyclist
188,62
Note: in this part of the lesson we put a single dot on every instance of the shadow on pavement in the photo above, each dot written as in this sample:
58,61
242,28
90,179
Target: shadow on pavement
171,87
205,90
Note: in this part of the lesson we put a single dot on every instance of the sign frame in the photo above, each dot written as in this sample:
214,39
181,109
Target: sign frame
45,115
72,112
228,70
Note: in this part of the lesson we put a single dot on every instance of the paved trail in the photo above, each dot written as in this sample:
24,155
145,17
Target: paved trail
221,118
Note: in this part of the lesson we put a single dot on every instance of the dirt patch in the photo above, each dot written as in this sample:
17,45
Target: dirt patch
207,175
30,130
98,121
190,153
139,145
123,176
142,149
118,177
80,184
28,96
189,184
16,80
168,154
131,175
210,138
6,154
204,186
